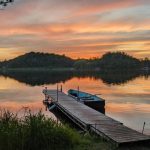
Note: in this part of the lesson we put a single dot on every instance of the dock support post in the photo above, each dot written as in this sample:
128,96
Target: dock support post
61,88
88,127
143,127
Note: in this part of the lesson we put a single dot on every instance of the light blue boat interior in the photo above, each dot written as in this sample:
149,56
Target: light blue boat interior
83,95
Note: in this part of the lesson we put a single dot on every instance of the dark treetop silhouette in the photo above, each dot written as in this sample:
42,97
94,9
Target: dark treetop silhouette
4,3
109,61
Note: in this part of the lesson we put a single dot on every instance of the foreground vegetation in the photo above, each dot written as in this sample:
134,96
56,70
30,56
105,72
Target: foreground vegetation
35,131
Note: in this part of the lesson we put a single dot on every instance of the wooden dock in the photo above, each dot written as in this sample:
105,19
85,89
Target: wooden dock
90,119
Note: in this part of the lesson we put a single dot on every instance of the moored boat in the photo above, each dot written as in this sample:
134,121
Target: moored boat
88,99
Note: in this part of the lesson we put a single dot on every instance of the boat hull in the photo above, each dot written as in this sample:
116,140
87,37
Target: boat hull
99,106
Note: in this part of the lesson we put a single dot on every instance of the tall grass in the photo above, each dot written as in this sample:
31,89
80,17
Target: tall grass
37,132
34,131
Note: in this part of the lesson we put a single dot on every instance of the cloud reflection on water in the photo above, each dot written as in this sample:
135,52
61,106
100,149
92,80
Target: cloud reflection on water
128,102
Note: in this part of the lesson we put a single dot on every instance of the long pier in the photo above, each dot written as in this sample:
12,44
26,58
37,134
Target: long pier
90,119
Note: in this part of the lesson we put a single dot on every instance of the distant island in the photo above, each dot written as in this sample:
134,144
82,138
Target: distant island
38,60
109,61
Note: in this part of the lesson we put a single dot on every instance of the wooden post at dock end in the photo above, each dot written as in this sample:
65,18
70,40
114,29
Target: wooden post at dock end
61,88
45,93
143,127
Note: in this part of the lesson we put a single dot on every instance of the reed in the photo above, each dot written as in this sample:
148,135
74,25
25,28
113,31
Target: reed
35,131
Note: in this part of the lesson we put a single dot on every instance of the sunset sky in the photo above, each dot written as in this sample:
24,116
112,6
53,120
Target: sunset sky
76,28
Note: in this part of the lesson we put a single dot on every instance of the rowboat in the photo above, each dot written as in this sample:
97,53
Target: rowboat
88,99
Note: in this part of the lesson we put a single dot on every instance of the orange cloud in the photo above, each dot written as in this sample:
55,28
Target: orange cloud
106,6
88,29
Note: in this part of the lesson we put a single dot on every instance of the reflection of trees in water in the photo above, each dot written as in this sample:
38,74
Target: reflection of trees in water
34,78
113,78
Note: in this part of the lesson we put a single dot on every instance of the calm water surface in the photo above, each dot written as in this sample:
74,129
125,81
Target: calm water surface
127,96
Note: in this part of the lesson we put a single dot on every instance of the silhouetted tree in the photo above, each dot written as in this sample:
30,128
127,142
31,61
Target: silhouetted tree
118,60
146,63
110,61
4,3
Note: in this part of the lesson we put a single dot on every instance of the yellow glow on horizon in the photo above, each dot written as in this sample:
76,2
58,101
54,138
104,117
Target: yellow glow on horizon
9,53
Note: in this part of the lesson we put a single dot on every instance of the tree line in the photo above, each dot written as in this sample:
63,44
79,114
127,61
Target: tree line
109,61
112,61
38,60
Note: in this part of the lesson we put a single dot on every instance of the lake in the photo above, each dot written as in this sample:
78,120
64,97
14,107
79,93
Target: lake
127,95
